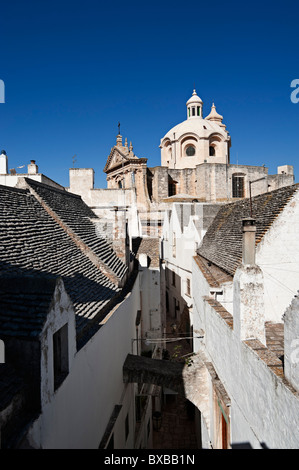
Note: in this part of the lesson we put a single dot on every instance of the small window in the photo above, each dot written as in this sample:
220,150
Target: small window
190,151
212,151
198,110
238,186
193,111
60,355
171,187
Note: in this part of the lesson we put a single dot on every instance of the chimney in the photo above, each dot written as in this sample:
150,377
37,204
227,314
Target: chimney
32,168
119,243
3,163
249,229
248,291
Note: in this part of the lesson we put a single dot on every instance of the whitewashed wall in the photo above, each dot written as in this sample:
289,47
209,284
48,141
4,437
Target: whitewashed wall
78,412
263,409
151,305
278,257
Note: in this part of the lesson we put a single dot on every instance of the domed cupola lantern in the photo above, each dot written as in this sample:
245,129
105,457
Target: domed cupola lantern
194,106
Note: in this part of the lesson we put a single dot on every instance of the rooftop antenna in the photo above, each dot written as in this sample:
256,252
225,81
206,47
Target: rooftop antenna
118,128
74,160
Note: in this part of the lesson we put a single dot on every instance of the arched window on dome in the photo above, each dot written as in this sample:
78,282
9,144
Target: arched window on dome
212,151
214,142
190,151
188,146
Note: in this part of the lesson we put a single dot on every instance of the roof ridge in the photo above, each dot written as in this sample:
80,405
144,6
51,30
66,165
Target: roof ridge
222,243
80,243
14,189
276,214
52,188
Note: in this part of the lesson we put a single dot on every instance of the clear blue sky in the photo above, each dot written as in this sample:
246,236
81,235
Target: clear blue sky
73,69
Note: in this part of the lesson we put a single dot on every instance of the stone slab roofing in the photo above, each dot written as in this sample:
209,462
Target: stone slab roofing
24,305
77,216
32,243
148,246
222,243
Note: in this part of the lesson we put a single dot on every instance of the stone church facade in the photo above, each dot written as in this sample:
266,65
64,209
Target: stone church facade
195,161
195,166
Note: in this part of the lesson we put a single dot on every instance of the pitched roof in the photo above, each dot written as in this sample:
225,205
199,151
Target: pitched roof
32,243
149,246
222,243
24,304
119,156
76,215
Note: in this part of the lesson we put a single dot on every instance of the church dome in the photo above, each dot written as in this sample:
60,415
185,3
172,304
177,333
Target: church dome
196,140
200,128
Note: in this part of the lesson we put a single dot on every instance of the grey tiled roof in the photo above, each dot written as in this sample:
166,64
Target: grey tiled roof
24,304
76,215
148,246
222,243
32,243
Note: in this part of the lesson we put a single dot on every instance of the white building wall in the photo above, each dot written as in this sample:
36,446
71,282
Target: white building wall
62,313
12,180
79,411
291,342
278,257
151,305
263,409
